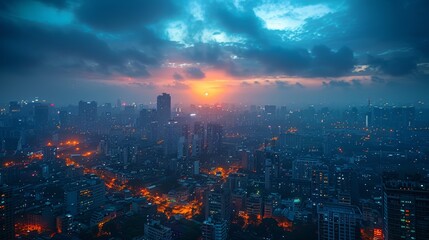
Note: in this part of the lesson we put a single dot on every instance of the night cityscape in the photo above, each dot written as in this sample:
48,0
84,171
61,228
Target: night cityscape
214,120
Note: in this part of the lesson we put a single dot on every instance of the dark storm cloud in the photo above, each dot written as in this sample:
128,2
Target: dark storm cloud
178,77
26,46
320,61
245,84
342,83
95,39
327,63
146,85
194,73
282,60
396,66
376,79
282,84
209,53
237,22
393,20
60,4
336,83
178,86
378,26
113,15
23,41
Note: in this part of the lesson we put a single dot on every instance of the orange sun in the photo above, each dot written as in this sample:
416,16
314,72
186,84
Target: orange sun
208,91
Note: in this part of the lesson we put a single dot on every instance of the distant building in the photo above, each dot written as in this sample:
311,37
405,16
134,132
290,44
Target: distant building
41,115
14,107
254,205
214,230
87,113
64,224
214,138
155,231
320,183
84,195
405,209
237,181
337,221
267,174
198,139
7,220
163,107
49,153
302,168
218,204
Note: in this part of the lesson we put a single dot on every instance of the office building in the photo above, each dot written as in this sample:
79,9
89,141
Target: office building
14,107
405,209
87,112
214,138
84,195
218,204
41,115
214,229
302,168
337,221
155,231
163,108
7,222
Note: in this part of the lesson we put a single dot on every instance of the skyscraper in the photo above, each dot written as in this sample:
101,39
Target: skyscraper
41,115
405,209
14,107
88,111
155,231
163,107
218,205
214,229
214,138
6,213
338,221
84,195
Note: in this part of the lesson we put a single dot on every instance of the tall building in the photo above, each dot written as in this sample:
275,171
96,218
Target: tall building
171,135
267,174
338,221
84,195
41,115
163,107
155,231
64,224
218,204
254,205
14,107
345,183
88,111
214,138
65,118
148,124
320,183
49,153
302,168
237,181
405,209
214,229
198,139
7,222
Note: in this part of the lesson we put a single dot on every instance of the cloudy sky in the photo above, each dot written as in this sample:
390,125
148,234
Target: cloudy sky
207,51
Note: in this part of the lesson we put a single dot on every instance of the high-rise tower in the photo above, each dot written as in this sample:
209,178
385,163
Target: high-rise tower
163,107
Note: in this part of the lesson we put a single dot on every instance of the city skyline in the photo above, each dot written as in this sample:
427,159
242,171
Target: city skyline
214,119
275,52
